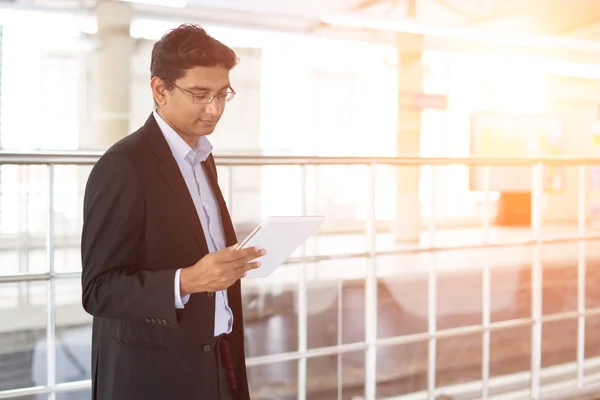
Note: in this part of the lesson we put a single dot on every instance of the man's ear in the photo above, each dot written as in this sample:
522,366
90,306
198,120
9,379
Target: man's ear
159,92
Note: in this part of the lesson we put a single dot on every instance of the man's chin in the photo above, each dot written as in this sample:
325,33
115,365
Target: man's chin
205,132
205,129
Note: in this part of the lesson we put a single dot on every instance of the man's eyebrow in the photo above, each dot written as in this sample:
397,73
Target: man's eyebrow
205,89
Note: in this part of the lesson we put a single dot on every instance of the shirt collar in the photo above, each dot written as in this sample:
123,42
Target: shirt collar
179,147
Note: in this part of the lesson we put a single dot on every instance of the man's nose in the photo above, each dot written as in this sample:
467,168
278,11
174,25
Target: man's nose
213,107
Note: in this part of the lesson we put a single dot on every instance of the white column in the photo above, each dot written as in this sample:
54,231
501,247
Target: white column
407,225
111,77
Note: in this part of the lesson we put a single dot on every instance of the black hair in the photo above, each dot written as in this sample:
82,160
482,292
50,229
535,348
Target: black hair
186,47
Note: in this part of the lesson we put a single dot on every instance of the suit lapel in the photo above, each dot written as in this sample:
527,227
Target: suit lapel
211,171
172,176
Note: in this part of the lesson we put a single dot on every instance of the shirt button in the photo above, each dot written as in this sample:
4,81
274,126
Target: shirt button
206,348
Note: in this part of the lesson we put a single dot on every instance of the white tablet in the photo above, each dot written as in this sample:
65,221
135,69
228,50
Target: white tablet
280,237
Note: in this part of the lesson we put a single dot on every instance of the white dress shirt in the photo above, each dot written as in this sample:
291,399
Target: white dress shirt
189,161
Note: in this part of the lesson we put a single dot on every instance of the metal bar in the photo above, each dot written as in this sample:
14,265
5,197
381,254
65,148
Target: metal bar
302,302
345,256
38,277
88,158
510,383
37,390
486,289
536,279
432,296
340,337
310,353
581,271
371,288
348,256
51,295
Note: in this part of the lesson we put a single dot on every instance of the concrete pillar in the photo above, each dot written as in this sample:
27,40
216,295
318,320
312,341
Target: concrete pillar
112,77
407,224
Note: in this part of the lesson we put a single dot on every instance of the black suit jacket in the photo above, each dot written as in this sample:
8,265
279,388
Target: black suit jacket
140,225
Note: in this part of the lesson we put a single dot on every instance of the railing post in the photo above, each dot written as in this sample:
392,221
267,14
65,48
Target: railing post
581,271
537,192
50,290
371,289
302,304
432,294
486,287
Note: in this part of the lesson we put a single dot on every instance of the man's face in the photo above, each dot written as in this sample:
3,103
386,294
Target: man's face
186,114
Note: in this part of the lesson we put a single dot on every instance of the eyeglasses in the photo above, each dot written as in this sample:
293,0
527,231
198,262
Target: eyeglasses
206,98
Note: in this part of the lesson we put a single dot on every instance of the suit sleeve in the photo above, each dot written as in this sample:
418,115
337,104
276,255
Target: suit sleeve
114,283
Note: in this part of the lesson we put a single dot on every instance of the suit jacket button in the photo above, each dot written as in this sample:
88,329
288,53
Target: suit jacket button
210,294
148,319
206,348
165,322
153,320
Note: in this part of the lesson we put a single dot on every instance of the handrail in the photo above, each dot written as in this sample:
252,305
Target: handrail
91,157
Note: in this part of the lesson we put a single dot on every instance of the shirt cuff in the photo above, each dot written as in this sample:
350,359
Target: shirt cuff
179,301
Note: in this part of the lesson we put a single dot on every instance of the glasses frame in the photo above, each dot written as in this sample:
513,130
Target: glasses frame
230,94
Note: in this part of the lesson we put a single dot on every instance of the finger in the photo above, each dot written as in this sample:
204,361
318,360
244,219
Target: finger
228,253
250,266
245,255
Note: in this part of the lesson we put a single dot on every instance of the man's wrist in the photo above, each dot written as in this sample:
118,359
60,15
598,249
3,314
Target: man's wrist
186,284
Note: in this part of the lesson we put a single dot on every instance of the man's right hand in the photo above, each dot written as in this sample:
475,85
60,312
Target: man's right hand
219,270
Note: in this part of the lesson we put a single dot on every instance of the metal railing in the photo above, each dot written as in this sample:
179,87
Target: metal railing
372,342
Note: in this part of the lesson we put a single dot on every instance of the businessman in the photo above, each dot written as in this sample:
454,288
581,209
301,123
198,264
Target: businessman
161,272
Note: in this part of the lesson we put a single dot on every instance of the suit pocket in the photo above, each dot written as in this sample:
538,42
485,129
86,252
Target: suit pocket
132,334
140,344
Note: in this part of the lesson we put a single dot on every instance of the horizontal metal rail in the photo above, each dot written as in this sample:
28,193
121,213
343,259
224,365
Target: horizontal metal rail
90,158
341,257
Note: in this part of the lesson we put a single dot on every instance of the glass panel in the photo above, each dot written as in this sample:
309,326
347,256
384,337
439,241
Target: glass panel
510,283
402,369
274,381
559,262
270,313
459,290
510,351
335,302
22,335
77,395
458,360
243,192
70,184
559,342
402,294
324,375
73,333
23,219
592,339
592,274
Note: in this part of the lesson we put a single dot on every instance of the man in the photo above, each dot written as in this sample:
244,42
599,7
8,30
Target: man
160,267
